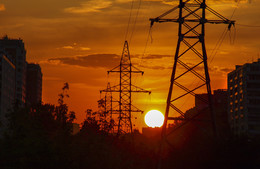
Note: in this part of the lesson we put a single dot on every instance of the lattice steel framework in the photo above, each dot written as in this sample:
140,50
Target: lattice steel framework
125,88
108,101
191,47
111,108
106,109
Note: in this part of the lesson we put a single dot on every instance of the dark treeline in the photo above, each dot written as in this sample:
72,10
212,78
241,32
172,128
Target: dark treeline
202,152
39,137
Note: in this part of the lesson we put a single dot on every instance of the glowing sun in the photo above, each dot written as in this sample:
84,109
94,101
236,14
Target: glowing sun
154,118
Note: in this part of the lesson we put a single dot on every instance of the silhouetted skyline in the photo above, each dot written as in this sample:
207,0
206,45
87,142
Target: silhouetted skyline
77,41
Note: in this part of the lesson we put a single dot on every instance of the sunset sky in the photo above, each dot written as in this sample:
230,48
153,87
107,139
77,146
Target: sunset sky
77,41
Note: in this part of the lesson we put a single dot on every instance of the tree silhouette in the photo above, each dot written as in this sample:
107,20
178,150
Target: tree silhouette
37,133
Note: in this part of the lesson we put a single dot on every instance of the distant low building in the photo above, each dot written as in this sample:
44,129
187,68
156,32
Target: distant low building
244,99
33,84
201,101
219,98
220,106
7,86
151,132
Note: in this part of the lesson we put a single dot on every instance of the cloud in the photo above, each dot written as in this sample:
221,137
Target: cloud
170,2
175,2
91,6
232,1
94,60
75,47
215,69
156,56
123,1
84,48
2,7
222,69
155,67
68,47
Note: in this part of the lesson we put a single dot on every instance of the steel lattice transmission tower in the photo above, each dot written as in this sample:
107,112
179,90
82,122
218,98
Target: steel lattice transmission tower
125,88
106,108
191,48
107,101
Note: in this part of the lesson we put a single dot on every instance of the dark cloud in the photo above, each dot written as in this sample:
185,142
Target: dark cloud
200,68
104,60
226,70
157,56
155,67
94,60
222,0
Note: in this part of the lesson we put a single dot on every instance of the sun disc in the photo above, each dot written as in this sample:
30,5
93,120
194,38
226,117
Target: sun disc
154,118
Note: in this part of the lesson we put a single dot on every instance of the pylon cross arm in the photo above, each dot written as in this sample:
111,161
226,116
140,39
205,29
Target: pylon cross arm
186,6
212,21
138,89
111,89
136,70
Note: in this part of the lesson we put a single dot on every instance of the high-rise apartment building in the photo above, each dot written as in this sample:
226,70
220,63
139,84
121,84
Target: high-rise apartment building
7,86
15,49
33,84
244,99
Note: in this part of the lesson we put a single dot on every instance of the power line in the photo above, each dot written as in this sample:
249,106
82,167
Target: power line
130,16
146,44
218,44
222,37
252,26
137,14
238,2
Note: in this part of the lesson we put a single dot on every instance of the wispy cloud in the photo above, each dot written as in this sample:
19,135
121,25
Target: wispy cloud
68,47
174,2
231,1
155,67
74,47
221,69
91,6
2,7
84,48
94,60
156,56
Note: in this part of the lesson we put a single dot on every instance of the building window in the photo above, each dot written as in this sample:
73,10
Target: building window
254,68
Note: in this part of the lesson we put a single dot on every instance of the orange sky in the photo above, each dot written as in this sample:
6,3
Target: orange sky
78,41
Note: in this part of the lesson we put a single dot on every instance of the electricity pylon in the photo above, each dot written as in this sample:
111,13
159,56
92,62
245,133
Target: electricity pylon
125,88
190,46
105,105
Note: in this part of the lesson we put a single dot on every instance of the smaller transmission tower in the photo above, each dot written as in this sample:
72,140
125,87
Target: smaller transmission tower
125,88
107,104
